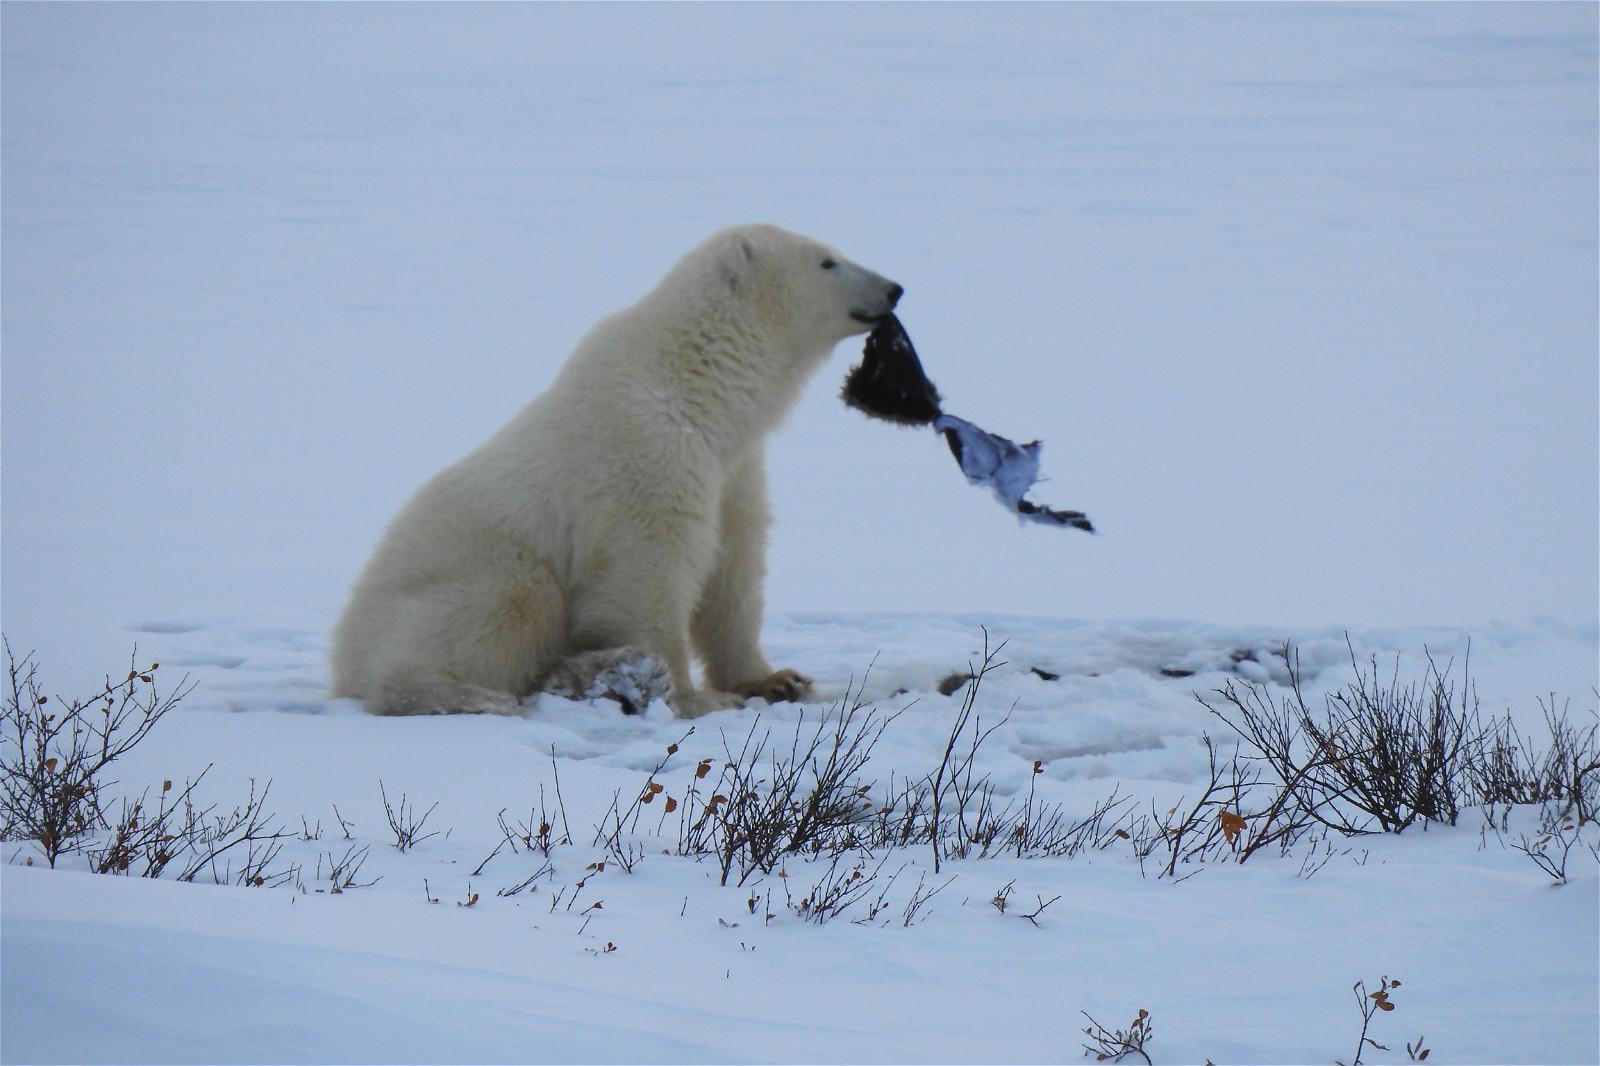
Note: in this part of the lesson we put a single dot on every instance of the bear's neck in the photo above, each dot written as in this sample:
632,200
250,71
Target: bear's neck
733,385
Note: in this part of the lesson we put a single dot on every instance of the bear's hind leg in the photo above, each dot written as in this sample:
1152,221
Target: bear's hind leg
418,694
470,647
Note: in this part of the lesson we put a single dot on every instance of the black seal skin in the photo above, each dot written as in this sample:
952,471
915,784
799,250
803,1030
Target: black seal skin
889,383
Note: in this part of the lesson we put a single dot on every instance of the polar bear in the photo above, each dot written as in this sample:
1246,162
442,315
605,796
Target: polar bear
623,510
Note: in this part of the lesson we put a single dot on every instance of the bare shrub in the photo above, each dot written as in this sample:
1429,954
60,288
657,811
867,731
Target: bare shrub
618,823
404,822
144,843
234,847
1117,1044
538,832
952,788
1371,1004
1237,814
544,868
1560,832
342,872
1509,771
841,885
1033,915
1041,830
767,803
874,907
1029,829
53,793
52,757
958,813
920,897
1381,754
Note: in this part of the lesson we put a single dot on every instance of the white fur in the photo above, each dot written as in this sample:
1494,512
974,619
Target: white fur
626,506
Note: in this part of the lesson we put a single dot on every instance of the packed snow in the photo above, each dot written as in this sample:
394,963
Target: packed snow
1302,298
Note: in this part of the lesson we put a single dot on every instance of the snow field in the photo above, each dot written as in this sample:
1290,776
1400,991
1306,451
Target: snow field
1248,963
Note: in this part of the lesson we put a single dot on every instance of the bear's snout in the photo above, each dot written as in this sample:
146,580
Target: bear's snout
891,297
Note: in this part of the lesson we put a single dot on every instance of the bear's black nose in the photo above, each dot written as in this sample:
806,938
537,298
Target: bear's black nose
895,292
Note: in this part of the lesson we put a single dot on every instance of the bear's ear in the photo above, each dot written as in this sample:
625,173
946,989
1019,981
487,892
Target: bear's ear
737,259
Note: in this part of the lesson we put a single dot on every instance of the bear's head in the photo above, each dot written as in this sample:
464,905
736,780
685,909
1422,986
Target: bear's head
803,293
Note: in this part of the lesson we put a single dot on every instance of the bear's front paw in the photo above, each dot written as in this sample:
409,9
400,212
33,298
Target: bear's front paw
781,686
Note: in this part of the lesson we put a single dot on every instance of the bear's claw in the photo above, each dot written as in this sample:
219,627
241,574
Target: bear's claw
781,686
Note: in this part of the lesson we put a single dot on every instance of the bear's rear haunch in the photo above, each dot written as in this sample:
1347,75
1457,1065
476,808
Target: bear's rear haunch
622,515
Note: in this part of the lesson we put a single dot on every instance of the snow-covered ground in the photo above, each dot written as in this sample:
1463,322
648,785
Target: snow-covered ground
1300,297
1250,963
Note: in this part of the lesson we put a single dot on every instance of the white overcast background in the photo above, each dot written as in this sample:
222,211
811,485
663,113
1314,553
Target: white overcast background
1302,299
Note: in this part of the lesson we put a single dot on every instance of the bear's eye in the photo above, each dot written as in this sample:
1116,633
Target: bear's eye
828,264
